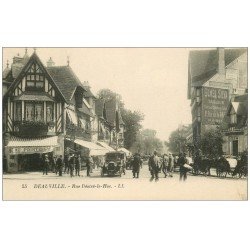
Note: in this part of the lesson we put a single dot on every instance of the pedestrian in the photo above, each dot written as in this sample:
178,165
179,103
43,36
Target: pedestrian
182,160
71,164
170,164
154,166
59,165
55,165
137,163
165,165
88,165
78,165
66,163
46,165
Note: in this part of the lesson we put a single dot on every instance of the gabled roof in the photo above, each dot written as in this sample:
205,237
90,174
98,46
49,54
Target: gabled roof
235,106
65,79
241,109
88,92
28,62
203,64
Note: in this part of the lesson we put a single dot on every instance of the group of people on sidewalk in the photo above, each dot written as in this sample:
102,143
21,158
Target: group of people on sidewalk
71,164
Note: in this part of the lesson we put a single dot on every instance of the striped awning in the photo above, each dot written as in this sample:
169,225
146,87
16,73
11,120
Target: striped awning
94,149
105,145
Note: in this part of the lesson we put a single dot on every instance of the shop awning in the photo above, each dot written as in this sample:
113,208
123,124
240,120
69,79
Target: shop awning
105,145
127,152
94,148
72,116
17,145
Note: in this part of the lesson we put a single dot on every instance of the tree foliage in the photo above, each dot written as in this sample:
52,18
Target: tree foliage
177,142
211,142
147,142
132,119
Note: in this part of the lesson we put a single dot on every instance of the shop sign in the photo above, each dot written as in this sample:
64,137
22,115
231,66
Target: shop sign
30,150
214,105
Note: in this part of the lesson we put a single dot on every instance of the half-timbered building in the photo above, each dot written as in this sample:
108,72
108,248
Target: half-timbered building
46,109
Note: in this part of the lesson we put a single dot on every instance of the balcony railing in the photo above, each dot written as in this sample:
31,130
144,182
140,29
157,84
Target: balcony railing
31,128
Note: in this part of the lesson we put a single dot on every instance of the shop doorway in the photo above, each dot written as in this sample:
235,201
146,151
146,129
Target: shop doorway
30,162
235,148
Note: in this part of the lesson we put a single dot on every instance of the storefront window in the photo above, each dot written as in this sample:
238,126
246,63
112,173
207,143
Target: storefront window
49,112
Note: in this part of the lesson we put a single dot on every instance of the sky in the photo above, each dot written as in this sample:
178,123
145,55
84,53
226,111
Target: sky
151,80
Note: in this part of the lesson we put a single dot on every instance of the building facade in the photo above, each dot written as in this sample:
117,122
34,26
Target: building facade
214,77
47,110
235,126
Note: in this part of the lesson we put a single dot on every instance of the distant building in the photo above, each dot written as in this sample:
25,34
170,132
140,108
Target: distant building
214,77
110,123
235,126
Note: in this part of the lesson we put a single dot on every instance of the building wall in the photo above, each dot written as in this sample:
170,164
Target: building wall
235,80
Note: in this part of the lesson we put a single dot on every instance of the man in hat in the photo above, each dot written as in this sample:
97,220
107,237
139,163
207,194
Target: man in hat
137,163
165,165
46,165
154,166
170,164
78,165
88,165
183,171
71,164
59,165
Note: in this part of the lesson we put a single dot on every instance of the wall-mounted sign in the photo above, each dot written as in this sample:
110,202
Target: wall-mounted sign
214,105
30,150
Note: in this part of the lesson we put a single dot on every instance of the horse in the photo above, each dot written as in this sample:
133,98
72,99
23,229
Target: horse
222,167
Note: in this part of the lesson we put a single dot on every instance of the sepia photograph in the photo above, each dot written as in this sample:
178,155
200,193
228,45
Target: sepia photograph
125,123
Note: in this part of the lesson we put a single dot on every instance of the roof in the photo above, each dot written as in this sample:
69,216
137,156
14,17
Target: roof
6,72
241,109
17,65
241,98
29,61
88,92
203,63
65,79
33,97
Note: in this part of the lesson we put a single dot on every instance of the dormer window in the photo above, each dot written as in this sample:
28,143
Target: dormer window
34,79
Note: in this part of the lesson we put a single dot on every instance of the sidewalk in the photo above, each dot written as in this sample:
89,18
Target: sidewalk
39,175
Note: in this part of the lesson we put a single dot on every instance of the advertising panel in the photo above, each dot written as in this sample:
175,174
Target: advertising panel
214,105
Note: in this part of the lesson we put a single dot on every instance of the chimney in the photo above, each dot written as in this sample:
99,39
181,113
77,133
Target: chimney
17,59
50,63
221,61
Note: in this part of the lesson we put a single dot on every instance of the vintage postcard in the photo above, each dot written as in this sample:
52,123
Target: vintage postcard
125,123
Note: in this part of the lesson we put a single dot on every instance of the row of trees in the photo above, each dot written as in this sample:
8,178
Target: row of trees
135,138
